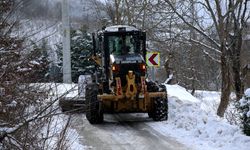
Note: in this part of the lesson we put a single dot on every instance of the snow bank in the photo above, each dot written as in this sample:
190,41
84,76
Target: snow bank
180,93
193,125
209,100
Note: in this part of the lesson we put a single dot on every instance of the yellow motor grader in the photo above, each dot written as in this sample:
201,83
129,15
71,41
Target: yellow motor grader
119,84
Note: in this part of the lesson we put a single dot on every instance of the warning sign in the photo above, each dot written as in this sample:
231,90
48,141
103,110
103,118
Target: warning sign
153,59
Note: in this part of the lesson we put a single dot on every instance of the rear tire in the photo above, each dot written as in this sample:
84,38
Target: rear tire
151,87
94,113
159,106
160,110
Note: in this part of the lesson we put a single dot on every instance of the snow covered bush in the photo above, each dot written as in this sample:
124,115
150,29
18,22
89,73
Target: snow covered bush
245,107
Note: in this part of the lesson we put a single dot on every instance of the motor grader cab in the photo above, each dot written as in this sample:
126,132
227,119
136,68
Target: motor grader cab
119,84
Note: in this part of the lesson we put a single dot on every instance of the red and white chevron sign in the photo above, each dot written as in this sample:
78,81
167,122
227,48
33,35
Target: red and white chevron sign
153,59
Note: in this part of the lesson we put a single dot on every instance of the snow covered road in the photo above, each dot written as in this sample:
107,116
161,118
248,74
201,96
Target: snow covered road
123,132
192,124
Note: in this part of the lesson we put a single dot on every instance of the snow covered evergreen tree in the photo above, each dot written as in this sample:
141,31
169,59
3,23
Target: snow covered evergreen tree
245,107
80,53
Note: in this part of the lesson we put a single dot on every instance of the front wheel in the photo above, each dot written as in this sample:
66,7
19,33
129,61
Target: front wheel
159,105
160,109
94,112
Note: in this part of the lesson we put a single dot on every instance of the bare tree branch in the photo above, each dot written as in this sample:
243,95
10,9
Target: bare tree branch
190,25
205,45
210,9
209,55
7,131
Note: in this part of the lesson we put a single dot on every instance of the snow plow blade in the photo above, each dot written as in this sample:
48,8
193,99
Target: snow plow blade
72,104
111,97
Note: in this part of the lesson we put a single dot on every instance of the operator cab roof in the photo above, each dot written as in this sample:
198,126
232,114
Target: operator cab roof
118,28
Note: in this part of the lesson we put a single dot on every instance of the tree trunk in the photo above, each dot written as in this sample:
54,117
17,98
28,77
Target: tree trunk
225,88
117,12
238,85
236,50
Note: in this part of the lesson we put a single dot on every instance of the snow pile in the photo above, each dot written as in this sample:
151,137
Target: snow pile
209,100
180,93
196,127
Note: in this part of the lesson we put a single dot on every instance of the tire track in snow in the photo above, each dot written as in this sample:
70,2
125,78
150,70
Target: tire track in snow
123,132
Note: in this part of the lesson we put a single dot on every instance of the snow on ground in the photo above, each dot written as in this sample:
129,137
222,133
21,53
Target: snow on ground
58,122
192,121
67,90
209,100
196,125
55,133
180,93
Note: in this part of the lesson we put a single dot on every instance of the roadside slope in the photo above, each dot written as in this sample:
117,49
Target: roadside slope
190,123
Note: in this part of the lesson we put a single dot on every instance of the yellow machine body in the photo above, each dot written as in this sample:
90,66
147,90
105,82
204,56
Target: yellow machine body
130,98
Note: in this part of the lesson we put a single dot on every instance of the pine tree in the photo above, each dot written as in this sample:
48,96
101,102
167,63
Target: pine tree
245,109
81,46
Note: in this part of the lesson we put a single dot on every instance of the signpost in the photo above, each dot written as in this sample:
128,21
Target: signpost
153,60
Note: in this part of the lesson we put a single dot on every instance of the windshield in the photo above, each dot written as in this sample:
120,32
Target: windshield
122,45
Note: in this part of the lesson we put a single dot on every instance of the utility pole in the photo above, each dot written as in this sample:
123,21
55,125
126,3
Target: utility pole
66,42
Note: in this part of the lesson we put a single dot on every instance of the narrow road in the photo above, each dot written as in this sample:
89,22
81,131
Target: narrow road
123,132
